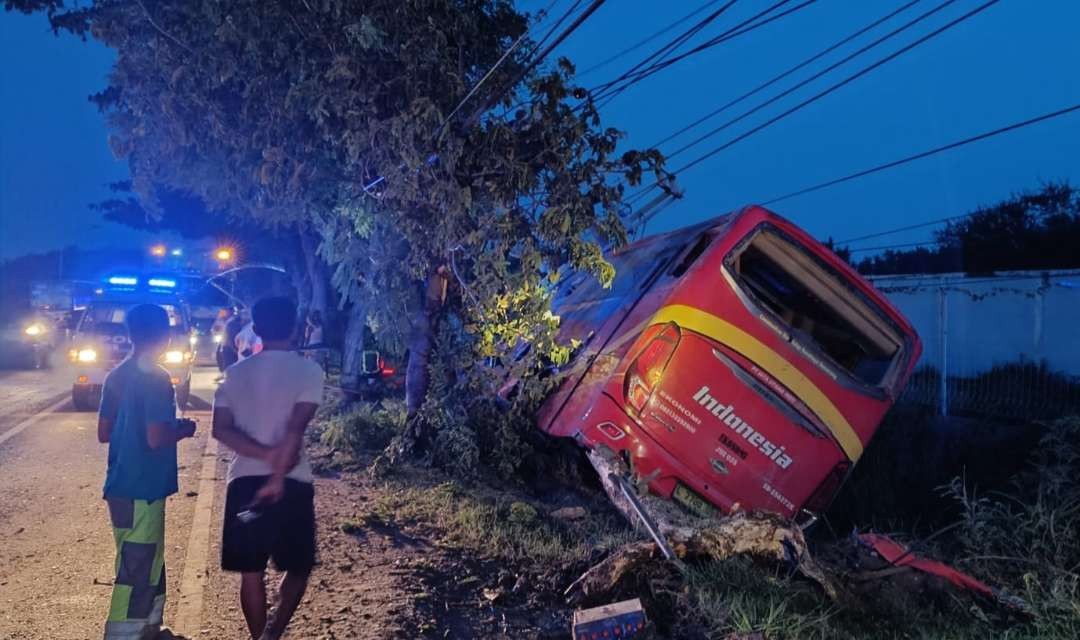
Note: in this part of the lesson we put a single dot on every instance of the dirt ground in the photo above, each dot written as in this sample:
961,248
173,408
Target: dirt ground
382,581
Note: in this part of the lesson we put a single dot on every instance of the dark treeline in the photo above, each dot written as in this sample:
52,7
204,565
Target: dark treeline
1030,231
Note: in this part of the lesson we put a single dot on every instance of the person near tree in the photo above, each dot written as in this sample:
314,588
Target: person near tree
261,411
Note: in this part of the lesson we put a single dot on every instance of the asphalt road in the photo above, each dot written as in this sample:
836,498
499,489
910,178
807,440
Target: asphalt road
56,547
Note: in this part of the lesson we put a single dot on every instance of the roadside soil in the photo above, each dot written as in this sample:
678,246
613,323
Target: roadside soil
376,580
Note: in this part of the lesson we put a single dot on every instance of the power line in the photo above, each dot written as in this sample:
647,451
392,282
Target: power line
787,73
521,75
890,232
819,74
833,88
582,17
647,40
599,91
558,23
892,246
752,23
491,71
925,154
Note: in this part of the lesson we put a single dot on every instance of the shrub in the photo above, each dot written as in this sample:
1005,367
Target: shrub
364,427
1029,537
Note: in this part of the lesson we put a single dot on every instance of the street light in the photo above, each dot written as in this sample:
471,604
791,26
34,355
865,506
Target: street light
177,252
224,254
157,250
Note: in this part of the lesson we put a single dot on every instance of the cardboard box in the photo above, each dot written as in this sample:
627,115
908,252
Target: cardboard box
617,620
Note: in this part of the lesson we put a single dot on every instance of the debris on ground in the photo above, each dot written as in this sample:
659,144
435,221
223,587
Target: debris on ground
616,620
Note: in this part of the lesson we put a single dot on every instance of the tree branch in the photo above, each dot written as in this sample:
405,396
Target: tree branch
163,32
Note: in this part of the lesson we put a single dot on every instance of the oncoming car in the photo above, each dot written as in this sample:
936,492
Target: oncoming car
100,340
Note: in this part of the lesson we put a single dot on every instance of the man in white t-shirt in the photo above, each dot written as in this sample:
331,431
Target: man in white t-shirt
248,342
261,411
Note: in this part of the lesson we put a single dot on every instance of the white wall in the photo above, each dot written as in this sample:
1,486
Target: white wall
981,321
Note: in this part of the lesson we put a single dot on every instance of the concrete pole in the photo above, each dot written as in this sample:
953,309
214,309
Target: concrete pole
943,341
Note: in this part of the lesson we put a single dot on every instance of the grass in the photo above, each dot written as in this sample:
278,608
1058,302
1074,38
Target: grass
363,427
494,525
1023,535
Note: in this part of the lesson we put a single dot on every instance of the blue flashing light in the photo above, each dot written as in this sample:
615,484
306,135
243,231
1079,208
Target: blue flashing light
127,281
163,283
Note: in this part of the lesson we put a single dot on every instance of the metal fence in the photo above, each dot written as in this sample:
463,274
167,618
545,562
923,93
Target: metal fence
1004,346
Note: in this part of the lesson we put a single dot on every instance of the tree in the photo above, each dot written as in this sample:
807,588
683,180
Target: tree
1030,230
334,117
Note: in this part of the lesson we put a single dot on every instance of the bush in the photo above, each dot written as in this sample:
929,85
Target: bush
364,427
1029,537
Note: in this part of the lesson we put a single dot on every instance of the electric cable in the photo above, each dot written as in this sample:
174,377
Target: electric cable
813,77
641,43
827,91
790,71
744,27
598,90
925,154
890,232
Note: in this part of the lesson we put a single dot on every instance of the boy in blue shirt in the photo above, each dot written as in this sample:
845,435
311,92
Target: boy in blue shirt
138,420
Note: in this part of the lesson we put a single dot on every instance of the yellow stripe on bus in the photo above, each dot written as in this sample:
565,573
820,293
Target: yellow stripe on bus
771,362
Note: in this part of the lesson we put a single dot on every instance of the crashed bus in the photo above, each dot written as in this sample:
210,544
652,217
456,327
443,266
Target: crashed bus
734,364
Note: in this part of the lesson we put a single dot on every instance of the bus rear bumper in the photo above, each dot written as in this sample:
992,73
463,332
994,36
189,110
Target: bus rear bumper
609,426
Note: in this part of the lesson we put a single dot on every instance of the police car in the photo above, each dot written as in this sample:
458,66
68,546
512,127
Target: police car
100,340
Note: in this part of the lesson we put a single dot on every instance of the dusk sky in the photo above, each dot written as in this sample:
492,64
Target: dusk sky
1016,60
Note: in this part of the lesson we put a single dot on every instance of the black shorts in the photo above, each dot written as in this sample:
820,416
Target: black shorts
284,532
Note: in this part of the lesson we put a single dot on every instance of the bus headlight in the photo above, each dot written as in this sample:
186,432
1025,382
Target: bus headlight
173,357
86,355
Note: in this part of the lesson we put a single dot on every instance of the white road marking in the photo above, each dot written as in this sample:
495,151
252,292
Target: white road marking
189,612
31,421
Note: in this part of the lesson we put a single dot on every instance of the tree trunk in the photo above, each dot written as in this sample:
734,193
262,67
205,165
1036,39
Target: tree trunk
353,346
420,339
296,264
316,272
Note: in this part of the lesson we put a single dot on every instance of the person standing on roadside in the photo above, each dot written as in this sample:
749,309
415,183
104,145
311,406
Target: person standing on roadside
313,333
261,412
233,326
248,343
138,420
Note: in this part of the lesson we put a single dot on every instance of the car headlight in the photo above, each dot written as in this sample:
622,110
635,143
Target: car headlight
173,357
34,330
218,338
86,355
193,340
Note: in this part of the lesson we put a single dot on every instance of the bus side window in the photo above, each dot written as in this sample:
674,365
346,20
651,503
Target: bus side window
692,255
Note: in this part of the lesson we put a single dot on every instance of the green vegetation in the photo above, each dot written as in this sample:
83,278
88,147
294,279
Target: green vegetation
494,525
1021,535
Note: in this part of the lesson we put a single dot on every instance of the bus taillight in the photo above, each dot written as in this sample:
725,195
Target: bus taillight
822,497
647,370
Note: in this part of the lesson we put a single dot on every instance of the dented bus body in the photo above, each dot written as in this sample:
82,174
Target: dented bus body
735,364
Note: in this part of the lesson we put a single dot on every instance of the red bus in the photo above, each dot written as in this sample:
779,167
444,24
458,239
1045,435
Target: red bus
737,363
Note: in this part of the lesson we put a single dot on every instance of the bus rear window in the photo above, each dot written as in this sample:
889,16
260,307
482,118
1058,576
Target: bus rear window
816,305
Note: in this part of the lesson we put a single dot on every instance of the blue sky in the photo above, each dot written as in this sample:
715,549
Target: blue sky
1015,60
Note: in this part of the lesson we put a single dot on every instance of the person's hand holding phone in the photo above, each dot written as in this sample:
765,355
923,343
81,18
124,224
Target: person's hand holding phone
186,428
271,492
